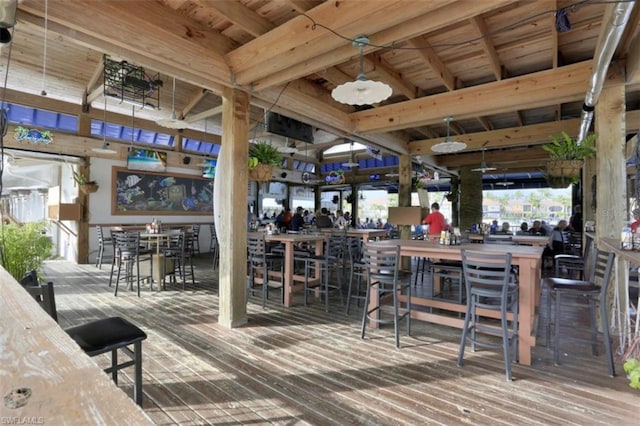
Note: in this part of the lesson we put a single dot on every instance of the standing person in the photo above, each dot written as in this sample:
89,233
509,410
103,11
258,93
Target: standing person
435,220
575,222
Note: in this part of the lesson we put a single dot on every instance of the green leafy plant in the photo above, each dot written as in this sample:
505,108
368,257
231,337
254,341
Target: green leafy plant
264,153
632,368
80,178
565,147
24,247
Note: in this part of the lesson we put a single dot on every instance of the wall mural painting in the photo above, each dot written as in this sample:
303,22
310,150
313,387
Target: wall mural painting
148,193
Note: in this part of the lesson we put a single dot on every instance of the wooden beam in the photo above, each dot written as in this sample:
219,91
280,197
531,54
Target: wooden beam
496,158
195,100
95,94
391,77
97,72
205,114
632,71
480,27
422,23
531,91
433,61
301,6
242,16
277,50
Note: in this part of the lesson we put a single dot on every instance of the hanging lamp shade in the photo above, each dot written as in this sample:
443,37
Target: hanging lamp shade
483,166
449,145
361,91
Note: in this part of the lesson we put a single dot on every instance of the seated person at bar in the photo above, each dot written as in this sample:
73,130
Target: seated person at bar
494,227
524,229
322,219
340,221
505,229
435,220
537,229
297,221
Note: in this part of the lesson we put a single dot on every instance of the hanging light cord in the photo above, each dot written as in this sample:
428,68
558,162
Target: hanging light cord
44,53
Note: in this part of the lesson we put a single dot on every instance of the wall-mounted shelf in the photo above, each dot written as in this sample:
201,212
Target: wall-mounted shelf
64,211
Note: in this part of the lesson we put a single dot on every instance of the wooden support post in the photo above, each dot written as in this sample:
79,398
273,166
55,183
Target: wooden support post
404,200
611,191
233,218
471,192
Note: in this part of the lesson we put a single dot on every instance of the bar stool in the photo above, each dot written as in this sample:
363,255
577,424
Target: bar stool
101,336
356,272
261,266
128,256
586,294
102,240
382,273
487,278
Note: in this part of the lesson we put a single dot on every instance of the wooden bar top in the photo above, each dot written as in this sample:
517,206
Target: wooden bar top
65,386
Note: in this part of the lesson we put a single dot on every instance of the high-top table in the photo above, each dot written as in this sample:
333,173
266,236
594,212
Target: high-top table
289,241
365,234
527,258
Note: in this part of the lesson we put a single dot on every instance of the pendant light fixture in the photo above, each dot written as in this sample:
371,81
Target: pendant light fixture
361,91
352,161
483,166
448,146
173,122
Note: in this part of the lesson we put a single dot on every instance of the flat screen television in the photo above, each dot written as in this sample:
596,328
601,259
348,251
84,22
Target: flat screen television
147,160
288,127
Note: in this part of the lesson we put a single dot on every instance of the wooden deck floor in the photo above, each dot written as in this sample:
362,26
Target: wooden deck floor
304,366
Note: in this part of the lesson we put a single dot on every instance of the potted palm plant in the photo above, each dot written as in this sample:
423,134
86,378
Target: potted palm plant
263,157
566,156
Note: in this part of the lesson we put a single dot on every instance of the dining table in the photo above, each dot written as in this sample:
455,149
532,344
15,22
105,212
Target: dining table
158,240
529,262
290,241
363,233
529,240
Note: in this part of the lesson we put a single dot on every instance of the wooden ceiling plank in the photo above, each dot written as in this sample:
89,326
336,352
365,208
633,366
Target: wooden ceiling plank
195,100
632,71
433,61
421,24
302,6
484,121
335,76
242,16
391,77
480,27
631,33
539,89
168,40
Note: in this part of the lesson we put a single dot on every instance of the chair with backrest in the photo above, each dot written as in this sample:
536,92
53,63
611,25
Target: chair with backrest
356,268
214,247
331,260
487,278
101,336
382,274
589,294
574,265
173,255
195,229
263,266
129,254
102,242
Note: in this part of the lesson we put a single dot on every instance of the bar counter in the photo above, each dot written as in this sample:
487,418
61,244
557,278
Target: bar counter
45,378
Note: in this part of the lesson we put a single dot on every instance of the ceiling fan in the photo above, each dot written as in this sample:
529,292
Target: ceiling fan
483,166
505,182
352,160
287,149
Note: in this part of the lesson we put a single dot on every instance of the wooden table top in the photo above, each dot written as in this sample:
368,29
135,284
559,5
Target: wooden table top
433,249
65,385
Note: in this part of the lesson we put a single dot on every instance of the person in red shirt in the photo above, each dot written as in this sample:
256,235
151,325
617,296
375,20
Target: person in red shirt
636,224
435,220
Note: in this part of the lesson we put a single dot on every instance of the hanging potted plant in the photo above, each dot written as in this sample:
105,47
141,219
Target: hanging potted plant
566,156
351,198
84,184
263,157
